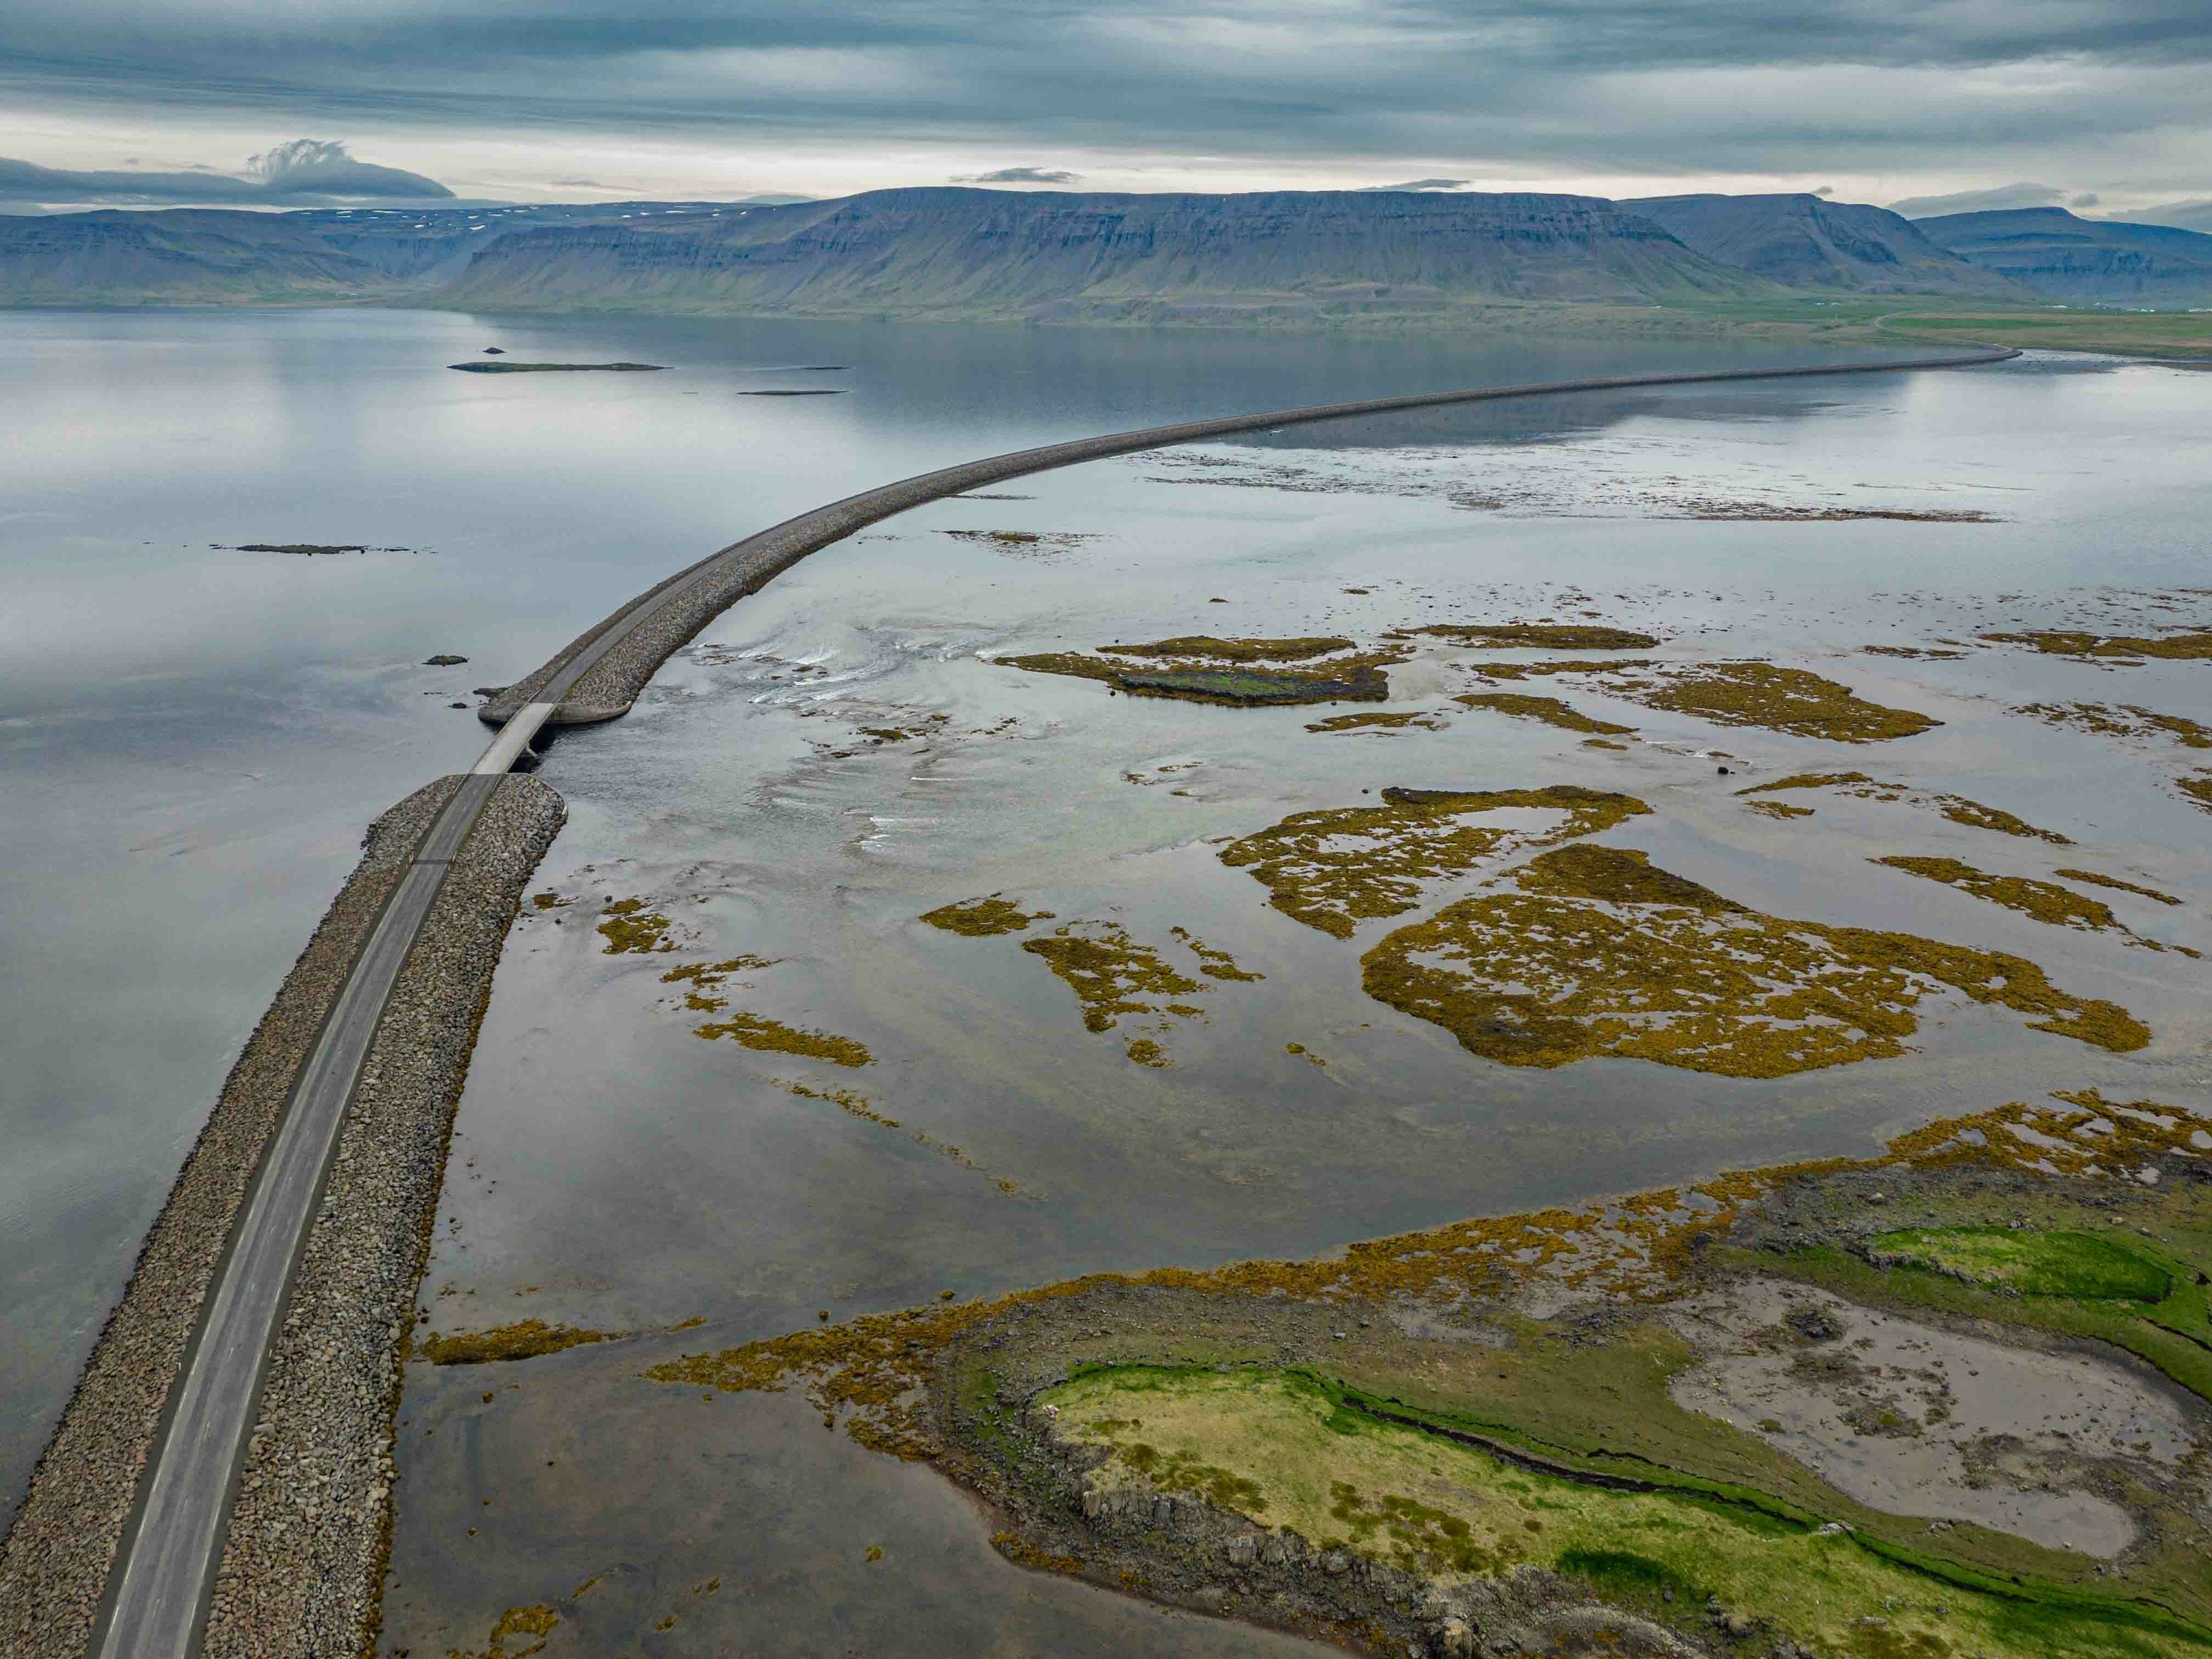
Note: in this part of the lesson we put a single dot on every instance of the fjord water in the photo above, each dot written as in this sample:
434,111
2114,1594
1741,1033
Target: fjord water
839,755
193,738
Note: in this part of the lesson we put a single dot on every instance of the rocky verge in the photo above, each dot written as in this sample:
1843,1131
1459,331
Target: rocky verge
55,1562
300,1571
303,1566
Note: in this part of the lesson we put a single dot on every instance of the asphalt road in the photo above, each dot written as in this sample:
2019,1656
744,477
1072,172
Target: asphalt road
158,1594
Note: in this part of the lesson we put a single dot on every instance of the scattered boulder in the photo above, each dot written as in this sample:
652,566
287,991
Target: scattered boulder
1814,1324
443,659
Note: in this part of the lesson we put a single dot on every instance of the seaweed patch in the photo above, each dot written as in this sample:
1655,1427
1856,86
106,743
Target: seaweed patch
2085,647
525,1340
2117,885
2045,901
1957,808
874,1372
1550,636
852,1103
1214,964
1115,977
1550,710
981,918
1212,648
1782,699
1599,951
1373,722
525,1623
628,927
1791,699
706,978
2125,721
1334,868
758,1031
1237,673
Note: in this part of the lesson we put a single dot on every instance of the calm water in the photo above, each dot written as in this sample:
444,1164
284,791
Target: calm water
615,1171
194,738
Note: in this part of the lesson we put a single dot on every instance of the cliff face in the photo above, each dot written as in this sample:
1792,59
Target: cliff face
213,256
1807,241
1286,257
189,255
2088,261
972,252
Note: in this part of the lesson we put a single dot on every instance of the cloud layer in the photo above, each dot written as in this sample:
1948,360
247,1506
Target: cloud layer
304,172
2105,94
1024,175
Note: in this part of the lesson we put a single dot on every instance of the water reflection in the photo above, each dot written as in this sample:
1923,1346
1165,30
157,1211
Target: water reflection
619,1172
194,736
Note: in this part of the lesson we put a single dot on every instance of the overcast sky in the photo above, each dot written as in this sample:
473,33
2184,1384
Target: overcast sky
584,100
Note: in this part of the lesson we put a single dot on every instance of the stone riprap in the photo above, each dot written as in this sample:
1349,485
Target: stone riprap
600,674
55,1564
302,1569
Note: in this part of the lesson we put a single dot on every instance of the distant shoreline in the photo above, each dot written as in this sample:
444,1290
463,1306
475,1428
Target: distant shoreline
2180,338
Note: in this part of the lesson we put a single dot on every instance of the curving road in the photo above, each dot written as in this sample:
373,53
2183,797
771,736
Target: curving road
158,1592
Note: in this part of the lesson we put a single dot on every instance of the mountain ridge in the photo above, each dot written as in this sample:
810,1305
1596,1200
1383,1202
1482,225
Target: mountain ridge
2092,261
1049,256
1804,240
1064,256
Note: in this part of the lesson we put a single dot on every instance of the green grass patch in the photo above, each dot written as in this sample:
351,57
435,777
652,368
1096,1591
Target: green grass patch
2135,334
2086,1267
1315,1463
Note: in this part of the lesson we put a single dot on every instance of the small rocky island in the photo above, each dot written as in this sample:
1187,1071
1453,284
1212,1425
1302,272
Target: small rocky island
552,368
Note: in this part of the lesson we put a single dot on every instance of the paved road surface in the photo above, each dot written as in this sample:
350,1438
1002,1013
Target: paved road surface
158,1596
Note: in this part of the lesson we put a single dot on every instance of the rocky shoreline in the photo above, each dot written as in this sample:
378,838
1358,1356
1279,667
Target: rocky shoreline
300,1571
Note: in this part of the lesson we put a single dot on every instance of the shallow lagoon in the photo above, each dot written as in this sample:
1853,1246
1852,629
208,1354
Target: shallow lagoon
194,737
616,1171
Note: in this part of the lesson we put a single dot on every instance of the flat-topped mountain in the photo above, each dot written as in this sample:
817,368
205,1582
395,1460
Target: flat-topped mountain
193,256
1045,255
1276,257
213,256
2088,261
1804,241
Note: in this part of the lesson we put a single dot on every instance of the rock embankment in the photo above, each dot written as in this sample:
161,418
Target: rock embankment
600,674
55,1562
302,1570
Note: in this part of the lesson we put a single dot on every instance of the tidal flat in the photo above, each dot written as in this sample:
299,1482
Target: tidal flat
854,777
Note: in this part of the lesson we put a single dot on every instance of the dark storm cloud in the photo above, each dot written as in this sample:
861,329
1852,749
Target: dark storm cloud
1705,85
304,172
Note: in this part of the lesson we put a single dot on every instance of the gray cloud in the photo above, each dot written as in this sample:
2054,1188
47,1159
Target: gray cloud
316,167
1423,184
1020,176
22,181
306,172
2103,90
2183,215
1997,200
